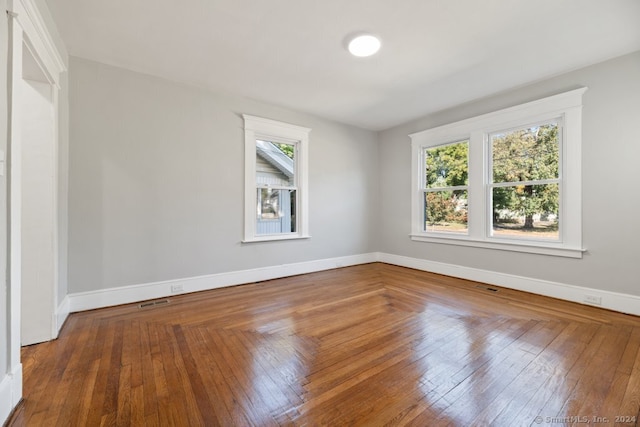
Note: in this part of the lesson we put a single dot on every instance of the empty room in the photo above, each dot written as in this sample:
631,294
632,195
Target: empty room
293,212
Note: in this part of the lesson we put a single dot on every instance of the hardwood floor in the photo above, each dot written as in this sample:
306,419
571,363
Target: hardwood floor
366,345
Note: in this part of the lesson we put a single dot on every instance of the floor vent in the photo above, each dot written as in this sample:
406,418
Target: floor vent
487,288
153,303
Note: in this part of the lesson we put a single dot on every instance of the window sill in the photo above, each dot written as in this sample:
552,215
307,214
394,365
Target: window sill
540,248
275,237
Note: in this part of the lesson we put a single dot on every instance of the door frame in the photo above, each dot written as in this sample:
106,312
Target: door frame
27,30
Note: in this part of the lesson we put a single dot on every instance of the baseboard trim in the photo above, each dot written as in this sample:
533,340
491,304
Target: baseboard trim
82,301
128,294
10,392
624,303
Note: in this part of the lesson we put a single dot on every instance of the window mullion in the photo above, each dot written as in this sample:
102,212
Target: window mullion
277,187
436,189
534,182
477,202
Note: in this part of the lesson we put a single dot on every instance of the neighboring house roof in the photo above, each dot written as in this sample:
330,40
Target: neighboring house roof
272,154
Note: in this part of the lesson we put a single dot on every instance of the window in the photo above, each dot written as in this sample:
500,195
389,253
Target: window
276,204
525,182
506,180
445,188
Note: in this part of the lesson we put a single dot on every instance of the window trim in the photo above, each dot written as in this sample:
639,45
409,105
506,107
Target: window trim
258,128
567,107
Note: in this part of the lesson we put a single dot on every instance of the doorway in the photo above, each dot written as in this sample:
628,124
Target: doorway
34,72
38,207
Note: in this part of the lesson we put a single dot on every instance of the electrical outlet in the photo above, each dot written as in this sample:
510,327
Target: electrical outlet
592,299
177,288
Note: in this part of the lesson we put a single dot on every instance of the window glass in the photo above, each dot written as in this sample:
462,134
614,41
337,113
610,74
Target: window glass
275,181
526,211
275,164
447,165
446,211
445,192
525,190
276,211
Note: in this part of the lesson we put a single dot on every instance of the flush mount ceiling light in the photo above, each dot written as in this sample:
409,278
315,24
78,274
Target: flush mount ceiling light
364,45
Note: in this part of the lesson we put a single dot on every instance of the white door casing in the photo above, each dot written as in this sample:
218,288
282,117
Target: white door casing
29,40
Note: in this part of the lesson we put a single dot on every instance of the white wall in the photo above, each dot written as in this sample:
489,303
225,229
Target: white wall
610,207
156,182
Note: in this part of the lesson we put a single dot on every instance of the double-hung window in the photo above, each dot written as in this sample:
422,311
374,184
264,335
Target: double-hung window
445,187
276,195
524,186
507,180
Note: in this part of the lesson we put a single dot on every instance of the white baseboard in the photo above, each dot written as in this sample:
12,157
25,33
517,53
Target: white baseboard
128,294
10,392
623,303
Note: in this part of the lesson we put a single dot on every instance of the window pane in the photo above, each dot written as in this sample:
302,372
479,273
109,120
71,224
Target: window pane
447,165
276,211
275,164
268,203
446,211
529,154
526,211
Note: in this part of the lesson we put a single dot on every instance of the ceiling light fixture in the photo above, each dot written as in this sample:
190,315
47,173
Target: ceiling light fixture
364,45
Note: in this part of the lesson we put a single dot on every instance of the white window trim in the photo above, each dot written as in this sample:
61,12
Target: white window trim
275,131
567,107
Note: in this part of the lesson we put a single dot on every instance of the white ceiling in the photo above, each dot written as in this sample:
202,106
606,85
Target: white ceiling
435,53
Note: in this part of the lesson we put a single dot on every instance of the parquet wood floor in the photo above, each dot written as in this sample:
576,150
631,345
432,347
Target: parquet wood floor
366,345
